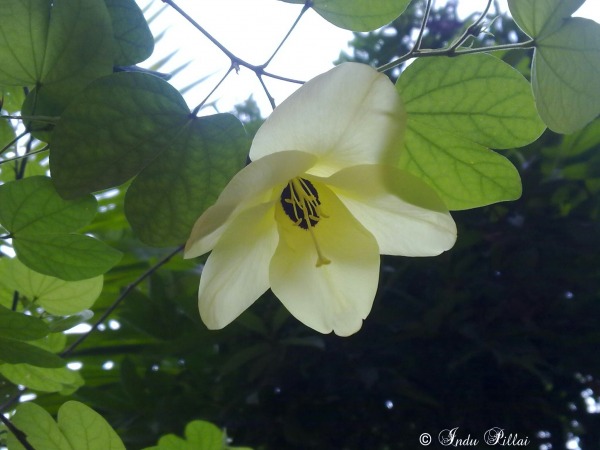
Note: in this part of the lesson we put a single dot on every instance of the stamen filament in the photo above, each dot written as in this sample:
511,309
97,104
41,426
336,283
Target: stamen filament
300,201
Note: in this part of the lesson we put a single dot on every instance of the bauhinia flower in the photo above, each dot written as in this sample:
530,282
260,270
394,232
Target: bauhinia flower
318,204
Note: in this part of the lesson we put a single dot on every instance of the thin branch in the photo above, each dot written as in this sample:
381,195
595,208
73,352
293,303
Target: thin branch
16,158
236,61
7,146
21,437
268,94
197,108
450,52
305,8
49,119
120,298
417,45
471,29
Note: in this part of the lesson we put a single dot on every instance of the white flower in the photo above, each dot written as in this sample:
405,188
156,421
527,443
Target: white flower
318,204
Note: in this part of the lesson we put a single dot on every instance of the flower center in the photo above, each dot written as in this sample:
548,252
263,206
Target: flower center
300,202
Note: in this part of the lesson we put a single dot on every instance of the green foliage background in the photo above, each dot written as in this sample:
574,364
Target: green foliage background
502,331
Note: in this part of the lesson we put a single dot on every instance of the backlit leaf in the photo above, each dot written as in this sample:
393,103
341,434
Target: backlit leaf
62,380
358,15
134,41
538,17
56,296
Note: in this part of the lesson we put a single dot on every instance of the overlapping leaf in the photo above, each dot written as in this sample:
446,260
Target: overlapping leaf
134,41
62,380
56,296
59,46
566,64
456,109
77,427
40,222
358,15
132,123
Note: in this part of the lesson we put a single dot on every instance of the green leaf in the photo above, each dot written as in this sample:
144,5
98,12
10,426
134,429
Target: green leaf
32,205
39,427
39,220
62,380
358,15
110,132
13,98
79,428
57,45
200,435
85,429
132,35
464,174
169,195
566,63
538,17
479,97
456,108
566,75
56,296
17,352
71,257
16,325
139,123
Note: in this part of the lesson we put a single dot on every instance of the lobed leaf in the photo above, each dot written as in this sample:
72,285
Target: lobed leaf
566,75
133,123
539,17
134,41
169,195
464,174
32,205
78,427
456,109
55,295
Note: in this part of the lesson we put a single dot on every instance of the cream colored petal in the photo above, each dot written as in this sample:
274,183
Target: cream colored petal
347,116
237,271
336,296
250,186
404,214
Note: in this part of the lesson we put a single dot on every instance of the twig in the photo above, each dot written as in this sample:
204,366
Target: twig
305,8
471,29
119,299
197,108
21,437
7,146
16,158
419,39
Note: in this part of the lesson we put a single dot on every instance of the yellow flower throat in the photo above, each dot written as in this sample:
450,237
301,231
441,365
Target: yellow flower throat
300,202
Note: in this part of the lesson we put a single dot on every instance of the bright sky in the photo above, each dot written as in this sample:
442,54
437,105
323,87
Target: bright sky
252,29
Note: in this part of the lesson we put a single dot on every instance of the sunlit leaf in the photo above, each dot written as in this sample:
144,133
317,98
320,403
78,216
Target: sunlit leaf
358,15
133,38
56,296
62,380
479,97
464,174
456,108
19,326
17,352
77,427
